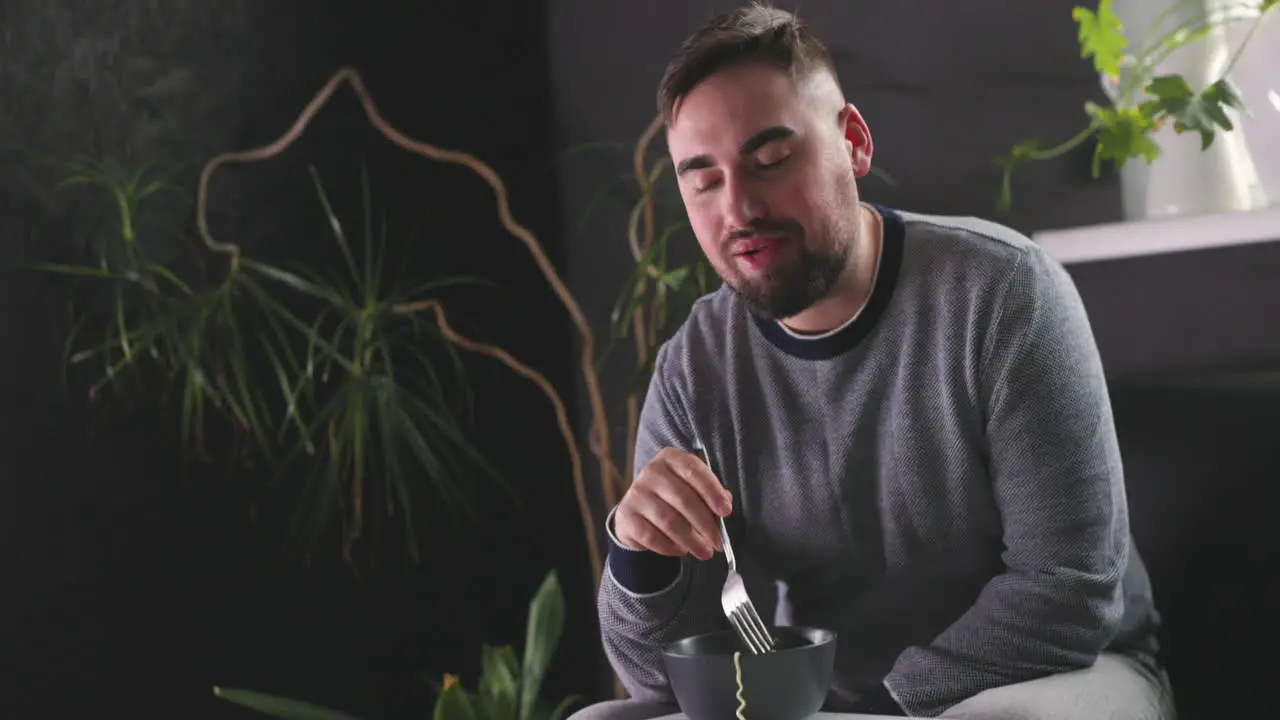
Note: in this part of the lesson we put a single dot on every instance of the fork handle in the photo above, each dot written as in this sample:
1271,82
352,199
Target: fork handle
728,548
724,532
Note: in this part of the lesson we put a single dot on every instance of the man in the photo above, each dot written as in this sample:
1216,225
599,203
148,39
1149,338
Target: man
906,418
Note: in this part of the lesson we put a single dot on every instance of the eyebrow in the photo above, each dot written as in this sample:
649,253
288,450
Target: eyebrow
753,143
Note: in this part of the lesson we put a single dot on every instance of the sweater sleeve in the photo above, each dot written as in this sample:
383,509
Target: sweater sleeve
647,600
1057,480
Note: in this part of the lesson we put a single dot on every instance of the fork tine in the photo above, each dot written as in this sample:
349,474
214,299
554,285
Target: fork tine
753,639
743,611
743,634
762,630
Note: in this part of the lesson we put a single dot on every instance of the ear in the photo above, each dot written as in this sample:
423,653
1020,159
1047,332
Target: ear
857,138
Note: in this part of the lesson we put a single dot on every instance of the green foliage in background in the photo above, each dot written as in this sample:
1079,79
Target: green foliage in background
1145,102
669,271
659,291
357,411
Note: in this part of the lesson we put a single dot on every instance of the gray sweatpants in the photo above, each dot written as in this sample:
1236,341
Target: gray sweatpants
1115,688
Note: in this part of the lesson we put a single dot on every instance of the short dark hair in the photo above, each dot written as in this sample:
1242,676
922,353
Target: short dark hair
756,32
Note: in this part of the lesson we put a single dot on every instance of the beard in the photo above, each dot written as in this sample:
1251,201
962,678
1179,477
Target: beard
792,285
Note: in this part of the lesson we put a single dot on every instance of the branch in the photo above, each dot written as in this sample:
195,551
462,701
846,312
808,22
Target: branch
562,414
642,179
638,251
598,437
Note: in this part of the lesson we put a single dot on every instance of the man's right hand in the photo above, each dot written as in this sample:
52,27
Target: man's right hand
673,507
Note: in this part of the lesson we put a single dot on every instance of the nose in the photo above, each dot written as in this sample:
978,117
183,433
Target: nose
743,203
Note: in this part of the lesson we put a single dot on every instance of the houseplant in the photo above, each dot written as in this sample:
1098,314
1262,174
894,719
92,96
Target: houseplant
433,308
162,332
507,689
1148,98
282,367
251,343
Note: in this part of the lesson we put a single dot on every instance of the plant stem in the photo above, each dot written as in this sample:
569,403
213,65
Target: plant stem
1235,56
1145,46
562,413
645,179
1149,57
1063,147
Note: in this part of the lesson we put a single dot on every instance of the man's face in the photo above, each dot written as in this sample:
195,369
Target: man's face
767,169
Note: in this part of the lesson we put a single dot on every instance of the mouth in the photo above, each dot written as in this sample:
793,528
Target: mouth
754,245
757,251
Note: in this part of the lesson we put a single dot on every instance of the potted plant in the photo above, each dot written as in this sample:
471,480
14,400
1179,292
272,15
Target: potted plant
1163,80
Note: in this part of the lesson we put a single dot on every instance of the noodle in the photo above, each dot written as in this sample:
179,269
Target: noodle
737,672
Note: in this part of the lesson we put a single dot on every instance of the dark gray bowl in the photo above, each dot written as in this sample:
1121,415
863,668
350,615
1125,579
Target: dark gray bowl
788,684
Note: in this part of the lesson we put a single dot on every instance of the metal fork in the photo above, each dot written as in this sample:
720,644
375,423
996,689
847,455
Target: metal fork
734,600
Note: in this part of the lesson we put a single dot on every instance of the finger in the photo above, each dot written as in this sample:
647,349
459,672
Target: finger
634,531
694,470
688,502
673,524
648,537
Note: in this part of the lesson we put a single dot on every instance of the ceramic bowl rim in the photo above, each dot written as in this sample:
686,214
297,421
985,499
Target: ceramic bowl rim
820,637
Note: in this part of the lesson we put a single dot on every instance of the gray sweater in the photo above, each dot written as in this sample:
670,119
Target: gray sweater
938,481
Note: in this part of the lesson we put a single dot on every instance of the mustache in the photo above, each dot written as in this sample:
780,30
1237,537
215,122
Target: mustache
765,227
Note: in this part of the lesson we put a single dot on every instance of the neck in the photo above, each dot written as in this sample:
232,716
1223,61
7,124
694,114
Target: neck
854,287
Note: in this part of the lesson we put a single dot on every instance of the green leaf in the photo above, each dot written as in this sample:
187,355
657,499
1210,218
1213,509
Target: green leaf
542,635
1101,37
674,279
1123,134
294,280
1267,5
1203,113
635,289
499,682
80,270
454,704
335,224
279,707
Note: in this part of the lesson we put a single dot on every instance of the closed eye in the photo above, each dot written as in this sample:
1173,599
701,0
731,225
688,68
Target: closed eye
771,157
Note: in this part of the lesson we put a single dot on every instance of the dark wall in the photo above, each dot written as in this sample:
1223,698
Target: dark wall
128,586
1201,466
